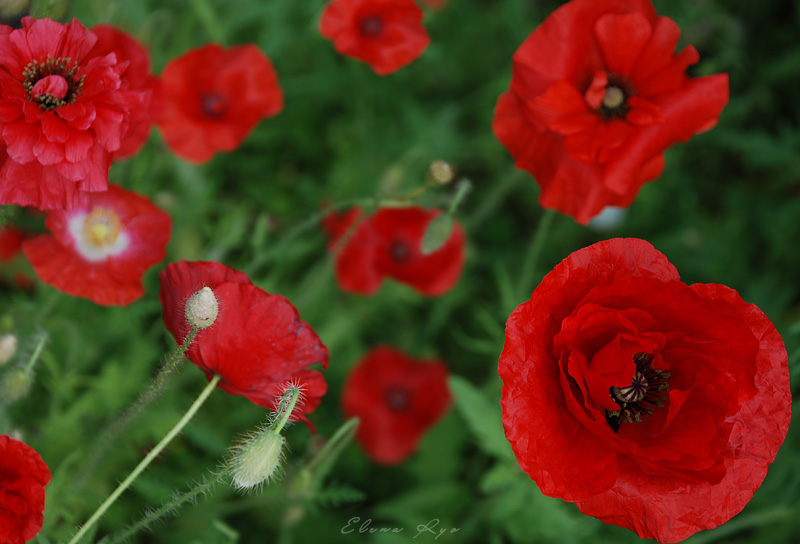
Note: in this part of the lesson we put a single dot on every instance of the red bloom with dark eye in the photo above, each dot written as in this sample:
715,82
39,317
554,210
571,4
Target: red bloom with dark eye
257,343
214,97
137,77
23,476
651,404
397,398
387,244
386,34
596,97
63,112
101,249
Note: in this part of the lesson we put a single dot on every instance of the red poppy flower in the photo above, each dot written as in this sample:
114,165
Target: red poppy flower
136,77
387,244
23,476
256,344
596,97
63,111
10,242
386,34
397,398
101,249
651,404
214,97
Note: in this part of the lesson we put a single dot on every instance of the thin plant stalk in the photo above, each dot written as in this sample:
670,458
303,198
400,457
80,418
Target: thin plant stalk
524,287
147,460
150,394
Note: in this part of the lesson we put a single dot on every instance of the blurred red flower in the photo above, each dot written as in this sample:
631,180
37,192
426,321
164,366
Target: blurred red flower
137,77
386,34
23,476
387,244
63,111
101,248
651,404
597,96
257,343
214,97
10,242
397,398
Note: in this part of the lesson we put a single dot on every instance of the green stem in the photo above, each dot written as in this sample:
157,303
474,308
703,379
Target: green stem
285,409
322,461
166,509
524,287
132,412
36,353
147,460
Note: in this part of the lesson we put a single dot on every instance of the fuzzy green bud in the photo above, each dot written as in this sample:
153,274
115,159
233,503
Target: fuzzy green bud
441,172
16,385
202,309
257,460
8,347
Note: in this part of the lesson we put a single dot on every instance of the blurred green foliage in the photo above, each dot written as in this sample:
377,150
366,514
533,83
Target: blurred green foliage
726,210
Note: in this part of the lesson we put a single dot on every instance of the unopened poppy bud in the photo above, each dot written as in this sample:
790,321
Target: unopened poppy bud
441,172
257,459
16,385
8,347
202,309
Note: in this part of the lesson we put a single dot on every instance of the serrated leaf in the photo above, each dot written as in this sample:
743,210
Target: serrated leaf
483,417
437,233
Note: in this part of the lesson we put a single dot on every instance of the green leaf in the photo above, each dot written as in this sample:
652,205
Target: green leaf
483,417
437,233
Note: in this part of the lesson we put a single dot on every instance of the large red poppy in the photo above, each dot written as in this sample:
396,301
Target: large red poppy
23,476
386,34
387,244
214,97
257,344
597,96
63,112
397,399
101,249
651,404
137,76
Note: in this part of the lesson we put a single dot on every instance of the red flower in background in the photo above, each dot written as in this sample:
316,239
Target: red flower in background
214,97
651,404
596,97
63,111
137,76
257,343
386,34
387,244
10,242
23,476
397,398
101,249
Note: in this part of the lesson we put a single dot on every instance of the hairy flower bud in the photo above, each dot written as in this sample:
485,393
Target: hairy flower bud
8,347
257,459
16,385
441,172
202,309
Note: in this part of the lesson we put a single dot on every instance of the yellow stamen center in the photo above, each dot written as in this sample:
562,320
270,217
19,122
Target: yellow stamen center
101,227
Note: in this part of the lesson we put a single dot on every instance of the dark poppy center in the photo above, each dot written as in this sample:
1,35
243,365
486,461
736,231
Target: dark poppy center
615,99
641,397
397,398
371,26
52,83
399,251
214,104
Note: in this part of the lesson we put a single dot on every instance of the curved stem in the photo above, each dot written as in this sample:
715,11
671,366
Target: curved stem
524,286
130,414
147,460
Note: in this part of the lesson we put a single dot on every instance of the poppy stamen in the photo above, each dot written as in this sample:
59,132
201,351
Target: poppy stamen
639,399
53,82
